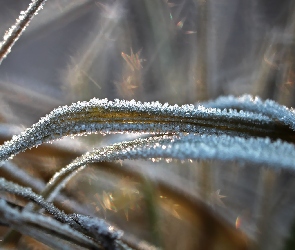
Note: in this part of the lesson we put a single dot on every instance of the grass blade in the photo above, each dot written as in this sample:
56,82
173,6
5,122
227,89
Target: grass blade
103,116
13,34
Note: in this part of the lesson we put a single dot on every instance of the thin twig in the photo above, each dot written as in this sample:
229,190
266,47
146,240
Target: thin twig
15,31
29,194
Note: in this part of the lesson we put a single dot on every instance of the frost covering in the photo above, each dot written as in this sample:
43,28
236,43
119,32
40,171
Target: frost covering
194,147
255,104
40,226
103,116
15,31
259,133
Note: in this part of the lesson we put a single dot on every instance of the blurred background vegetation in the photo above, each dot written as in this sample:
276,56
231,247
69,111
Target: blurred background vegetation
176,51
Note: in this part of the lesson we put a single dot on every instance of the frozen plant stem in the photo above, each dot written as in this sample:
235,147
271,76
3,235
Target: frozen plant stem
43,228
15,31
100,230
209,133
254,104
103,116
29,194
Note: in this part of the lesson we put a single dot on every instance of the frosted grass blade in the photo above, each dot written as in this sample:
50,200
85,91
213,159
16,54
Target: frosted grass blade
39,226
103,116
15,31
100,230
255,104
29,194
262,151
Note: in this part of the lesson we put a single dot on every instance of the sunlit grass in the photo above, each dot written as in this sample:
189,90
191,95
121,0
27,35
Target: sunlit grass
214,178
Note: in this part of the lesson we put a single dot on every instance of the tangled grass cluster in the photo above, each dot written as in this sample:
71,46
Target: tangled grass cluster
244,130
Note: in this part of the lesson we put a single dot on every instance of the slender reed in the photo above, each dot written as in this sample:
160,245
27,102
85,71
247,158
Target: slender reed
15,31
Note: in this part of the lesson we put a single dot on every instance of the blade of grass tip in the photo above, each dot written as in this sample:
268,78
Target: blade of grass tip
15,31
254,104
103,116
43,228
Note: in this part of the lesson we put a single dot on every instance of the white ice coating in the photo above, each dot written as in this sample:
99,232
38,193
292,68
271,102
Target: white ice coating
263,151
222,147
98,227
79,118
255,104
15,31
14,217
29,194
197,143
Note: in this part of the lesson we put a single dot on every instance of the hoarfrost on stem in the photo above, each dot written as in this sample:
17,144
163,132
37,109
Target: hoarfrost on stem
255,104
39,226
15,31
276,154
103,116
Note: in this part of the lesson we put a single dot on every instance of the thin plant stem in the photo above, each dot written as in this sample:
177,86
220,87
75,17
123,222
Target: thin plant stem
15,31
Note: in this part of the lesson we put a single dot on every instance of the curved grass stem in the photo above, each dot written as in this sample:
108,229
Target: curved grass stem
103,116
15,31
